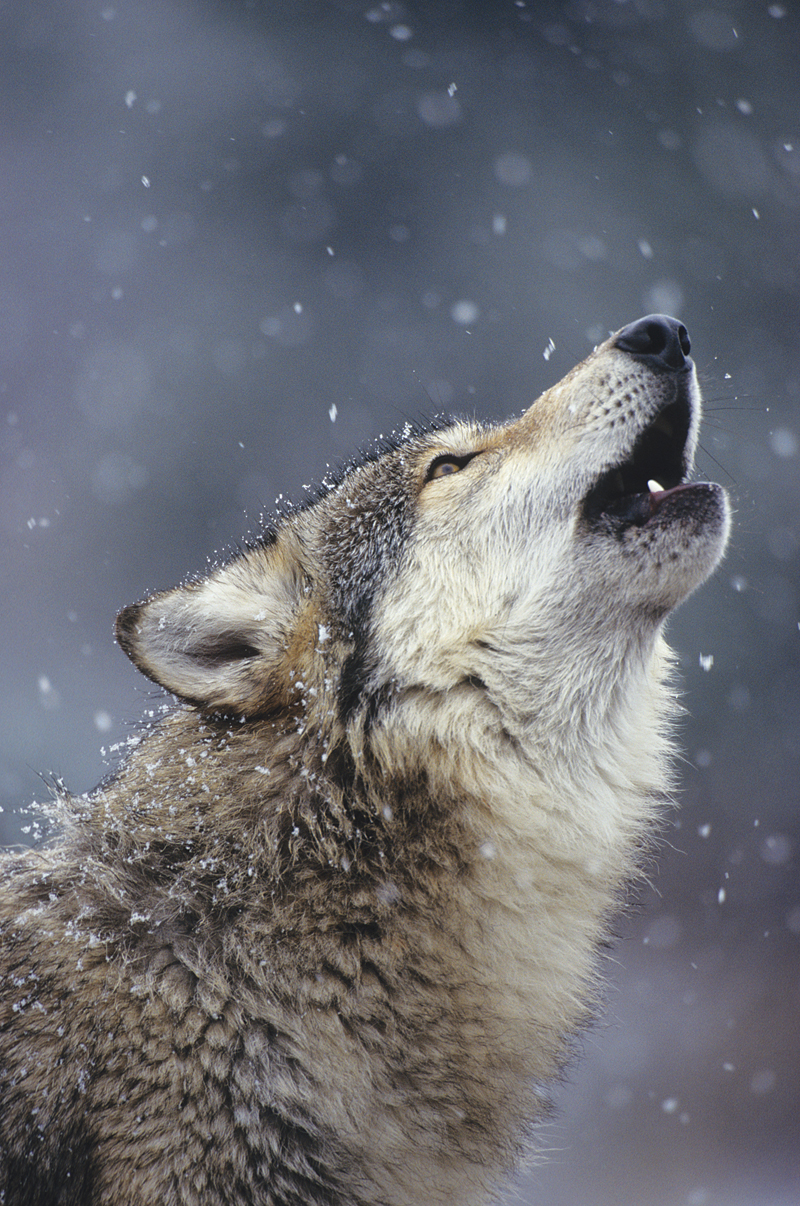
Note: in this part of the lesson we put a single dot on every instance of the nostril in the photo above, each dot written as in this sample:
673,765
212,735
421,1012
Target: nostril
659,339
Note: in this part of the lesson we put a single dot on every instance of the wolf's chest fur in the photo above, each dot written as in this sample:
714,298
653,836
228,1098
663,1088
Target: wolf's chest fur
328,932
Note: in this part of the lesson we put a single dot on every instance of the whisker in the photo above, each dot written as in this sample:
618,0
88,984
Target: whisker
757,410
719,464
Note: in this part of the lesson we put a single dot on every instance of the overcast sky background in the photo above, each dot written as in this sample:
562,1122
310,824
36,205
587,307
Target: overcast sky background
240,239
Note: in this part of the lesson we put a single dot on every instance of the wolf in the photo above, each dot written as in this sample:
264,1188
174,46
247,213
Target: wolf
327,934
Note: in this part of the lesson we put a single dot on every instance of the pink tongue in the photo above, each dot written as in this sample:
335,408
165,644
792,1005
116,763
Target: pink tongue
657,496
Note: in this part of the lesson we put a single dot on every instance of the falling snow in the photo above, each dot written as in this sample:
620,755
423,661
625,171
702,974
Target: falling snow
288,243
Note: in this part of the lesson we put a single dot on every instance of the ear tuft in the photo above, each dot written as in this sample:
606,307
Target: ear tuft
220,642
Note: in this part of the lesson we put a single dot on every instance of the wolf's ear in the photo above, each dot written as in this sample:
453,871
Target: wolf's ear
221,642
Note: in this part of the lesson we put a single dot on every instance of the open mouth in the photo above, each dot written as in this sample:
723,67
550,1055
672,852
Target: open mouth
632,492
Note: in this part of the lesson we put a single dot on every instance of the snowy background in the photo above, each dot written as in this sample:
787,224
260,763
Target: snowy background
240,238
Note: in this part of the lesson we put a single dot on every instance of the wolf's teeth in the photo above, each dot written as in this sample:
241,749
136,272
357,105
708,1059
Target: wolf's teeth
655,487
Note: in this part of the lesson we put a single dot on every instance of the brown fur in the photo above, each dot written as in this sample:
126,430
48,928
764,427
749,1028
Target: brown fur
328,931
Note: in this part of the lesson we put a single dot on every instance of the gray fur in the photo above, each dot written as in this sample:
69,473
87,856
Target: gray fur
327,934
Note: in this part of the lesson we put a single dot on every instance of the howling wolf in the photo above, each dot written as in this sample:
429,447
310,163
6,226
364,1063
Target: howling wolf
326,934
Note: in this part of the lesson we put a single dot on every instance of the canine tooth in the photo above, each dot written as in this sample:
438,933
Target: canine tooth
655,487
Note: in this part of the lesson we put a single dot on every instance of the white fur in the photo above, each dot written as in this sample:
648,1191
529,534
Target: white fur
332,927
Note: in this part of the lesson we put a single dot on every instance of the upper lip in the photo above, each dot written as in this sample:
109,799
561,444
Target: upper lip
629,491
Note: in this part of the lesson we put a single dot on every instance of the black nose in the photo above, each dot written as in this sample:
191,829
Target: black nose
662,341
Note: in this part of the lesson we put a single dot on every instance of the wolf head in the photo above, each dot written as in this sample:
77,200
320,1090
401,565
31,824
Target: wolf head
519,567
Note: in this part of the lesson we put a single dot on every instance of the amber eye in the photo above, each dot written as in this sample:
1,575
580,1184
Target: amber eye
447,463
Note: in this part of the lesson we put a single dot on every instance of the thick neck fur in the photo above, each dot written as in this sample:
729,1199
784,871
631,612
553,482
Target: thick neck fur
379,899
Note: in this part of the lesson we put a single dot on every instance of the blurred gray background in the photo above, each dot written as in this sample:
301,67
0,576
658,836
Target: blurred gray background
241,238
